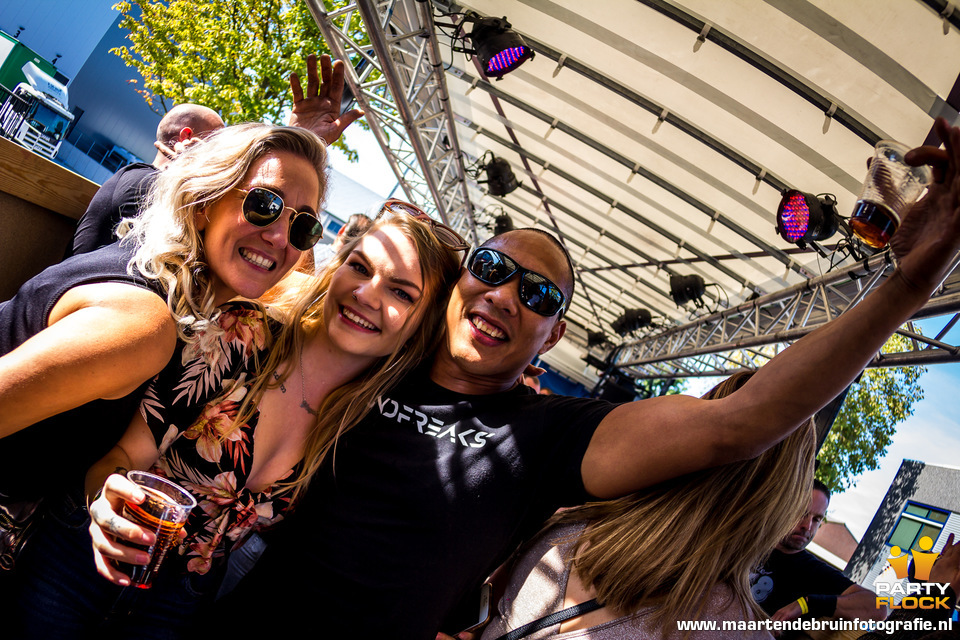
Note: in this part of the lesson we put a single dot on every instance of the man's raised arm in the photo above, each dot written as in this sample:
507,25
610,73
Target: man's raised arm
645,442
319,109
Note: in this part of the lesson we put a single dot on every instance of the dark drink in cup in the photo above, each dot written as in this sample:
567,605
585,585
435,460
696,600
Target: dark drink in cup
164,511
874,223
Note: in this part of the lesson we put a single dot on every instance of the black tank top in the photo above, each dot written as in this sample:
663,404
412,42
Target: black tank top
54,454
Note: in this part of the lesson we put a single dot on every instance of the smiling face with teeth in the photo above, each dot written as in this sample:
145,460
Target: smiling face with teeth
371,305
491,336
246,260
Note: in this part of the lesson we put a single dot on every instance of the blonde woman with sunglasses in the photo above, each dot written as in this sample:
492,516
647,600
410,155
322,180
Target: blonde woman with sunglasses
80,340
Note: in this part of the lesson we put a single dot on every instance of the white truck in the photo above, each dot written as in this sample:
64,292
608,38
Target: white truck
34,113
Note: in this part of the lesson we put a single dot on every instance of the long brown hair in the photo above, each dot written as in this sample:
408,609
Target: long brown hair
668,545
345,406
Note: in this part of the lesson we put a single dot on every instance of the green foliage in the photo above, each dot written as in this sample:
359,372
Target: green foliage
234,56
873,408
659,387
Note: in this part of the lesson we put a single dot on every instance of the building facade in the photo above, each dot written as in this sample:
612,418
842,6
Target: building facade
923,501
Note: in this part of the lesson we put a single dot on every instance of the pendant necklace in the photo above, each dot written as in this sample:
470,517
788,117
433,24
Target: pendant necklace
303,393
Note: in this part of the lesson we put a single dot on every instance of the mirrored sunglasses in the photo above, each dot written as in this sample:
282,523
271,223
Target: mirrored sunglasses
537,293
262,207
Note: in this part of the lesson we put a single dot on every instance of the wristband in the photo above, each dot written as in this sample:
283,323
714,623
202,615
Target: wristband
804,609
822,606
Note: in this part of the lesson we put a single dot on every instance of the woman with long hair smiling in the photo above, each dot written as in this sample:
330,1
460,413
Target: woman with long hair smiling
243,422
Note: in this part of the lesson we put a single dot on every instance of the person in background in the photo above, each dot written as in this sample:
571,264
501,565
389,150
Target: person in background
532,381
680,550
793,583
356,225
123,193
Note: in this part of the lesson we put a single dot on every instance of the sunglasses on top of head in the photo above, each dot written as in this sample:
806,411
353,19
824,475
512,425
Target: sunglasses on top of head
443,233
537,293
262,207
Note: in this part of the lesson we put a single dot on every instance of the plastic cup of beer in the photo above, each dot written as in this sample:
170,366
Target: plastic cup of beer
890,187
164,511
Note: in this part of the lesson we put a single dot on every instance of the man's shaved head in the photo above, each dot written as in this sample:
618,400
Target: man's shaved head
197,118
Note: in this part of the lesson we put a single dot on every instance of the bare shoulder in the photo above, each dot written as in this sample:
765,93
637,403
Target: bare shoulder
117,297
121,318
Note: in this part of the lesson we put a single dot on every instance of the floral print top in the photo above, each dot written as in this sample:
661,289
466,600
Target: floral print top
190,408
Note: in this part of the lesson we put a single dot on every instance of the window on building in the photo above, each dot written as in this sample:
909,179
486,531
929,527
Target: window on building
915,522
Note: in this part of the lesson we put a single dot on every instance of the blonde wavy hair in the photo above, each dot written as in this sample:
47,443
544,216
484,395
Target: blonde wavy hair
345,406
668,545
169,244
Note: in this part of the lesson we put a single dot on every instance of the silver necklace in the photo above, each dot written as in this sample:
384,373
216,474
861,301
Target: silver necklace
303,393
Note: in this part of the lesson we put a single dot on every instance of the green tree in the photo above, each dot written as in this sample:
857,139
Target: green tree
234,56
659,387
874,406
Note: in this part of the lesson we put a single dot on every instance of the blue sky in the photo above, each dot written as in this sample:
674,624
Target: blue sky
932,434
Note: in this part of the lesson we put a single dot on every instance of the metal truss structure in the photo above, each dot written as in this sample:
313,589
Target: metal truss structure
398,81
749,335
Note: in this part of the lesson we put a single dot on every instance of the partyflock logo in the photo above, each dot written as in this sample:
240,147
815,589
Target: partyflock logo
914,595
922,560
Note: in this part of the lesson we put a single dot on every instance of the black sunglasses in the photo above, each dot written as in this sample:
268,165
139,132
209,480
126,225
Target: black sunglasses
444,234
536,292
262,207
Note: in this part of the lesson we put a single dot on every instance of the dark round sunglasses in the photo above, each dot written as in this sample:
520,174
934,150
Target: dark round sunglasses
262,207
536,292
443,233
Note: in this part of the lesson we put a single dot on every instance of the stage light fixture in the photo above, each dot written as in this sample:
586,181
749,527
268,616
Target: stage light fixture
499,48
502,224
631,320
500,179
687,289
803,217
595,338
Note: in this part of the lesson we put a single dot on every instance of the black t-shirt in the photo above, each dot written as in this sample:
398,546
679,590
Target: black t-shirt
788,576
423,499
119,197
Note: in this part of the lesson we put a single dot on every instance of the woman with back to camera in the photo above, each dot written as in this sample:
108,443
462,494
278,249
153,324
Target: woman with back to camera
246,433
681,550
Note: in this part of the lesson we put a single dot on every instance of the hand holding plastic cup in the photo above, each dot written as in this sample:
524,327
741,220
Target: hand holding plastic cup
164,511
890,187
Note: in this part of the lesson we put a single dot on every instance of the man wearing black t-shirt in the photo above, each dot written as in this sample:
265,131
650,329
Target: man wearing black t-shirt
458,464
123,193
794,583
